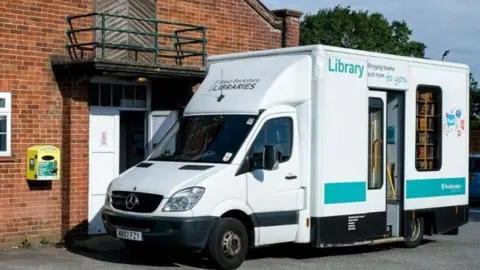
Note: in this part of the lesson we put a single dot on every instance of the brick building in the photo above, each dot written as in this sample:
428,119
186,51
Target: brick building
105,98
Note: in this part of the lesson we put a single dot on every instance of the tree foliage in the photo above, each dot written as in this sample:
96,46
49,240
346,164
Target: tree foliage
344,27
474,104
359,29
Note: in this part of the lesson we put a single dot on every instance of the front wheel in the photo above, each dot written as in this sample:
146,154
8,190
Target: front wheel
227,245
418,228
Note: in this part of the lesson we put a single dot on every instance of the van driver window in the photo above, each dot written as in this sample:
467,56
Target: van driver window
276,132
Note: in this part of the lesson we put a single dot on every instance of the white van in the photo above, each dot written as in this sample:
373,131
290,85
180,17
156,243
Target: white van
313,144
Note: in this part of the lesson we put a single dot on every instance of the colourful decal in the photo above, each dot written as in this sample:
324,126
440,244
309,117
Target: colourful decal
454,122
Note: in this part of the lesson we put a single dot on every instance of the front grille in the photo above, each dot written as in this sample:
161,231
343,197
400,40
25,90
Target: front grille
129,223
147,203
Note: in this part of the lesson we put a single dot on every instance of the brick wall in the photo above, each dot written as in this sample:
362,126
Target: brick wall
49,110
291,26
30,33
75,150
233,25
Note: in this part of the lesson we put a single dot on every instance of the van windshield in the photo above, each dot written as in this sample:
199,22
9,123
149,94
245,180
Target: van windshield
204,138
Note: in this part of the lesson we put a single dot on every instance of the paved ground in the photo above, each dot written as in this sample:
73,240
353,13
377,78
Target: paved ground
441,252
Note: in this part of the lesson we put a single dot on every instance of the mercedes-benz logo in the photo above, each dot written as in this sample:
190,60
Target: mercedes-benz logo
131,201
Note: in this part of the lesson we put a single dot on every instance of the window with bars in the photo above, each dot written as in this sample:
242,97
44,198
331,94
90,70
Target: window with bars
117,95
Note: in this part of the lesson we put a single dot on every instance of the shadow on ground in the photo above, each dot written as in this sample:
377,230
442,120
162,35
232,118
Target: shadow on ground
286,251
123,257
302,252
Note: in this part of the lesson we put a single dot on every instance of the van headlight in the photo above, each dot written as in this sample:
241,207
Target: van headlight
184,199
108,196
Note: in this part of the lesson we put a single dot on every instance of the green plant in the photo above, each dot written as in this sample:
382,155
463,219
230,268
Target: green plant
44,241
25,243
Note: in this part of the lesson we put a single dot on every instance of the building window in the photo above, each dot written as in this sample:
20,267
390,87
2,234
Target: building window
428,142
5,124
117,95
277,132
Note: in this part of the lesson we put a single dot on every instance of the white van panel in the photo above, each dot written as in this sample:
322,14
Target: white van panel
103,161
343,118
249,85
449,185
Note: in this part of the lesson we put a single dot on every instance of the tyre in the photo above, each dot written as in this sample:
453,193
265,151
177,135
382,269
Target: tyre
227,246
418,229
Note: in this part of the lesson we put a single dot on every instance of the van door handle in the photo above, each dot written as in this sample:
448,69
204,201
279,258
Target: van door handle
291,177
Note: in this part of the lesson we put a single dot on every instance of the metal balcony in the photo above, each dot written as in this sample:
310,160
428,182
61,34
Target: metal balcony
135,45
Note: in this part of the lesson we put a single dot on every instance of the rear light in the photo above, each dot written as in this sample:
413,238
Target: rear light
472,177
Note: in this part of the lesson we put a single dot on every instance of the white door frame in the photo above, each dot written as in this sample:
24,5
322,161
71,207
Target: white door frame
109,110
114,112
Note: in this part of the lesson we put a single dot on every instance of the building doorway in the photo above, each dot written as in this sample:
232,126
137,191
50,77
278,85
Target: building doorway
117,120
123,132
132,139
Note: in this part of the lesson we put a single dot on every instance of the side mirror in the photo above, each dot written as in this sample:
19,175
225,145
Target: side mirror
271,158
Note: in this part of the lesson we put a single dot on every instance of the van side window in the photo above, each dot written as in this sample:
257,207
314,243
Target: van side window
428,141
277,132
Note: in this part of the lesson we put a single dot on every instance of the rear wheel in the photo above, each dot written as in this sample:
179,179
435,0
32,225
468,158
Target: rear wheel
417,227
227,245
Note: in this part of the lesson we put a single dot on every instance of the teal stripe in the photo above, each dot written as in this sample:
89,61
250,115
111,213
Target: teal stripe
435,187
345,192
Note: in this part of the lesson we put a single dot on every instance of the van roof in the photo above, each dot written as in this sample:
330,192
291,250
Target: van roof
320,48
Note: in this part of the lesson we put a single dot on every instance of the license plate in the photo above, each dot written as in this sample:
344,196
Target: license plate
129,235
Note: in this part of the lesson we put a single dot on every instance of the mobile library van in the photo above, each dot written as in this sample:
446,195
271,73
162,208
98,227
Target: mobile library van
313,144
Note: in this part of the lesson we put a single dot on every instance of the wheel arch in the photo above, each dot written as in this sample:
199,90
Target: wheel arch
246,221
238,209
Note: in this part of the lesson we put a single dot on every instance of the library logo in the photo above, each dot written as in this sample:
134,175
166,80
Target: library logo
451,186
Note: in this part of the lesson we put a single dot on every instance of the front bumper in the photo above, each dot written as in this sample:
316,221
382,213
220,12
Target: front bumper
189,233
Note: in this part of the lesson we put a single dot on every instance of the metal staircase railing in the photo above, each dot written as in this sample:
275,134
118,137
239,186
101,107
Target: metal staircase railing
179,38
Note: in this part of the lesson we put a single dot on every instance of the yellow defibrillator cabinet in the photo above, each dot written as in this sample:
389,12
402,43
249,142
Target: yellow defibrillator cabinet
43,163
